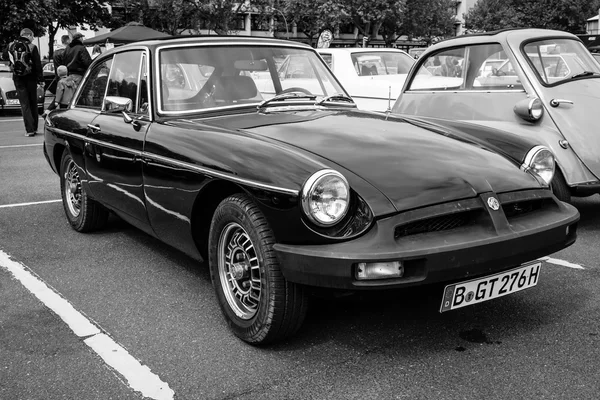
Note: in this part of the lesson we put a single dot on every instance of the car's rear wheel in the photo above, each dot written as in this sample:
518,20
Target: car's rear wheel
260,306
560,188
83,213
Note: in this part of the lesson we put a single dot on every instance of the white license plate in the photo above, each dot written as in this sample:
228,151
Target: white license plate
490,287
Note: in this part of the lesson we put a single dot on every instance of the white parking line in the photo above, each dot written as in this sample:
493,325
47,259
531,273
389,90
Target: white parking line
561,262
20,145
29,204
138,376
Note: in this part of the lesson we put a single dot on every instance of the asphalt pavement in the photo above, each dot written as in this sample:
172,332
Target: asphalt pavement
158,308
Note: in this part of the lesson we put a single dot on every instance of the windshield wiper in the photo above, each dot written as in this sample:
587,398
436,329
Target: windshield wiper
285,96
584,73
336,96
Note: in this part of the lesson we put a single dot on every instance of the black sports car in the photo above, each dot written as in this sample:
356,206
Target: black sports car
281,184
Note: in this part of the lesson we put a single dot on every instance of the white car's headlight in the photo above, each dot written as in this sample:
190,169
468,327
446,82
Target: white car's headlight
540,160
325,197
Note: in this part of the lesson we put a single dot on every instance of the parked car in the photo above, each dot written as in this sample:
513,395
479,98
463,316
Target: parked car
547,88
9,100
596,56
372,76
284,189
50,79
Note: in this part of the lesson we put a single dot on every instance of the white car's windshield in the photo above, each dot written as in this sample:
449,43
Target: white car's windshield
206,77
559,60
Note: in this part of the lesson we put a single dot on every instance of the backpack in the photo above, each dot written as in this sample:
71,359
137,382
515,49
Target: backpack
20,57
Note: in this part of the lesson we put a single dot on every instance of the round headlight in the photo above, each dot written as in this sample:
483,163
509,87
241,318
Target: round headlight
325,197
540,160
536,109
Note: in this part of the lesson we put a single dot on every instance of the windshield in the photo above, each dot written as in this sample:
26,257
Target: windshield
382,63
199,78
558,60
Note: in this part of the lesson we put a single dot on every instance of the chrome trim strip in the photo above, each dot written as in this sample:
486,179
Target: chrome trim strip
427,91
183,164
223,175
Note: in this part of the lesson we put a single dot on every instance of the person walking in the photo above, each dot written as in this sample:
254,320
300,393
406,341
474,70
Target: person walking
65,89
59,53
76,58
26,66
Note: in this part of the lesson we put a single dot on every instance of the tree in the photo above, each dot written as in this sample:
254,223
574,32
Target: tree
429,19
565,15
314,16
18,14
171,16
369,16
67,13
222,16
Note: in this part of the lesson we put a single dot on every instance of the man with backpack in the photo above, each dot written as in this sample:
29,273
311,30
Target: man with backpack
26,66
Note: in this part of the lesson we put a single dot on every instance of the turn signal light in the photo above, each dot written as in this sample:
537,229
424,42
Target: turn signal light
379,270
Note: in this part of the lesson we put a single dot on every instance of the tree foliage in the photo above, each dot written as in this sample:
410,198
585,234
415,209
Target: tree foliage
565,15
18,14
314,16
369,16
68,13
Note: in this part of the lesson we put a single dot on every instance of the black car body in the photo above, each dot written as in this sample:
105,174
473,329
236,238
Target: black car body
282,184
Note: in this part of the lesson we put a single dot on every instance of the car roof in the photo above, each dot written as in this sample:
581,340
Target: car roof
512,35
214,39
360,50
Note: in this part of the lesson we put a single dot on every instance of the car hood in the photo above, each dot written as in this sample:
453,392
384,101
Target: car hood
411,165
6,82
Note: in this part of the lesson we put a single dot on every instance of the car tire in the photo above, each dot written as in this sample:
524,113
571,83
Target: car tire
560,188
259,304
83,213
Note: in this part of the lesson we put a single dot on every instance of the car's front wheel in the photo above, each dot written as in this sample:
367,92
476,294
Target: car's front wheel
260,306
83,213
560,188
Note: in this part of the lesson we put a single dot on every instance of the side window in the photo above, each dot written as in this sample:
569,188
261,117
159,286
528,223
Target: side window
442,71
328,58
142,106
92,93
490,69
125,76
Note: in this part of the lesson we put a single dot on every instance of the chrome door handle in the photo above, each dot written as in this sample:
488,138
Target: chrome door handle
557,102
95,128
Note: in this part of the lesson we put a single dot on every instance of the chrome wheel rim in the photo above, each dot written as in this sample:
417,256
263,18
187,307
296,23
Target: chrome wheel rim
73,189
239,271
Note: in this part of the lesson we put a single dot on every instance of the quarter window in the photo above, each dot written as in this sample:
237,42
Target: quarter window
125,77
92,93
441,71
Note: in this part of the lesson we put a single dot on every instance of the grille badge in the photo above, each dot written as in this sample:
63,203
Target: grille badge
493,203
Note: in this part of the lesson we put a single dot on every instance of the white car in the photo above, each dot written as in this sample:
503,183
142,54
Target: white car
372,76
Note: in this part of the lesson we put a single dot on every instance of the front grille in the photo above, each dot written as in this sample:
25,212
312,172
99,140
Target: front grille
512,210
436,224
12,94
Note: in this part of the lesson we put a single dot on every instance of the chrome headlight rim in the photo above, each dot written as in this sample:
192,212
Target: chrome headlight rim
535,114
530,159
306,192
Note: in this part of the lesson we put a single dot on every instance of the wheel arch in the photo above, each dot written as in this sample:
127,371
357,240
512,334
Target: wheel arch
204,208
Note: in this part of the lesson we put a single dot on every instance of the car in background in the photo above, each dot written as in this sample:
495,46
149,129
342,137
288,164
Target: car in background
9,100
50,79
284,188
372,76
535,83
596,56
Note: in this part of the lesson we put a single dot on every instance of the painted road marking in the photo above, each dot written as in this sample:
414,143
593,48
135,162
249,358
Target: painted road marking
561,262
138,376
20,145
29,204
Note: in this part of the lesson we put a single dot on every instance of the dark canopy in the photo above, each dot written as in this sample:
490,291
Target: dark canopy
126,34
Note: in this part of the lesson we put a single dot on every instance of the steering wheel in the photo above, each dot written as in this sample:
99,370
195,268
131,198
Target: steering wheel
296,89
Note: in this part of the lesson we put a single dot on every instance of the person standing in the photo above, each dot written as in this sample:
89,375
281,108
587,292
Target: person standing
59,53
96,51
76,58
26,66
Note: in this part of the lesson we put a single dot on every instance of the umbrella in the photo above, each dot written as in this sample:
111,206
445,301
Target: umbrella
129,33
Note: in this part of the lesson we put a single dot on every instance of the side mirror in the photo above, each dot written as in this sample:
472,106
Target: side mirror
116,104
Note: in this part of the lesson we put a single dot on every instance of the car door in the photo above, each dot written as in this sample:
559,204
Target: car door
459,88
116,139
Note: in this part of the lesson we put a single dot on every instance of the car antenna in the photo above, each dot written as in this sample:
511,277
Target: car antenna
389,107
